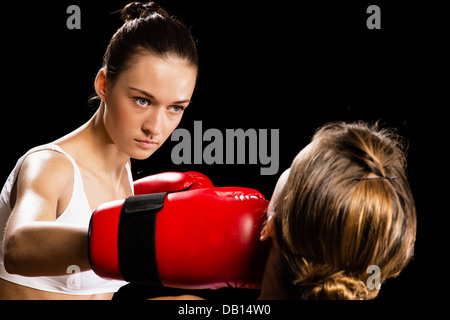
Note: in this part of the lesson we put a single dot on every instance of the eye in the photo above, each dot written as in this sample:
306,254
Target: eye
142,101
177,109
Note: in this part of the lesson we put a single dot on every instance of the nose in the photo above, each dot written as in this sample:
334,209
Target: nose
154,121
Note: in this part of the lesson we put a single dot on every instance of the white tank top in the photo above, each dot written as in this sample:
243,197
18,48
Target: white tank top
77,212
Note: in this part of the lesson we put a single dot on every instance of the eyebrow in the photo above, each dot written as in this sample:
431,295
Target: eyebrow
150,96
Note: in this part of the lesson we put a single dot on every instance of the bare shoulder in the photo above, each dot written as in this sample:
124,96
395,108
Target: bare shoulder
45,178
44,175
46,167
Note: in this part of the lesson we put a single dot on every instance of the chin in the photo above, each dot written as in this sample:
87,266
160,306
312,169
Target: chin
141,155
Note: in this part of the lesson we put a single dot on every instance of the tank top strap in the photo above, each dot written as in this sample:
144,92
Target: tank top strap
57,148
78,199
78,182
130,177
52,147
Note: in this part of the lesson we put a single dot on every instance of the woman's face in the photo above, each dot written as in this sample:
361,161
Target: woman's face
146,103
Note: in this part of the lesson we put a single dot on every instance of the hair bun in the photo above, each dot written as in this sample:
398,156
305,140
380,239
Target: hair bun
136,10
320,281
339,286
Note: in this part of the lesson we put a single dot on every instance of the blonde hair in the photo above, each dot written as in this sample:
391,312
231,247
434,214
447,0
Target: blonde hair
345,206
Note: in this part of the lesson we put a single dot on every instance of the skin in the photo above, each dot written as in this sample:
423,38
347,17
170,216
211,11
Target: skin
275,284
137,114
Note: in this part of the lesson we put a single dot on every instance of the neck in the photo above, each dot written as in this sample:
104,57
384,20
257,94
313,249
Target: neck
98,151
276,284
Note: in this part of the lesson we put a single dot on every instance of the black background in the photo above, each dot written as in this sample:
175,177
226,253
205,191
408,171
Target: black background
284,65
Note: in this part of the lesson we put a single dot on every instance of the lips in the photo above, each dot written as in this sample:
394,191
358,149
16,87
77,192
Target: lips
146,143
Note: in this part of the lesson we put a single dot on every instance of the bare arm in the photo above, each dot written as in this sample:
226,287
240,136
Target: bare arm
35,243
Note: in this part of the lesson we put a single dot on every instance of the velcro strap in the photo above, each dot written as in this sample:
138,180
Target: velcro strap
136,238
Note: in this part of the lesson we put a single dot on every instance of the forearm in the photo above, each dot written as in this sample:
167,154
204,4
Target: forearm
46,249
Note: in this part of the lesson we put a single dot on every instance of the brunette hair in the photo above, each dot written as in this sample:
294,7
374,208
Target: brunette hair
147,29
345,206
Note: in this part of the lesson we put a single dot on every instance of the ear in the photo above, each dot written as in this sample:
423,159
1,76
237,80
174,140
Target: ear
267,230
100,84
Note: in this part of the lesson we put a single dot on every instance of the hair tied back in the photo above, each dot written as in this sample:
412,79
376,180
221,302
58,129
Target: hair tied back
136,10
377,178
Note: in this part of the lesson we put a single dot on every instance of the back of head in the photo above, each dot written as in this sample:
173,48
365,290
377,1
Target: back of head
346,206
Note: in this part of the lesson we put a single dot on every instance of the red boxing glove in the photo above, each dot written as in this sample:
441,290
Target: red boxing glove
196,239
171,181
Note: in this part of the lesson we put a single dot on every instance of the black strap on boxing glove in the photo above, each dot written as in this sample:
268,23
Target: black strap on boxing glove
136,238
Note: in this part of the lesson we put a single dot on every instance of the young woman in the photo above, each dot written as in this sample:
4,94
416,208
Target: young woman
342,218
146,82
